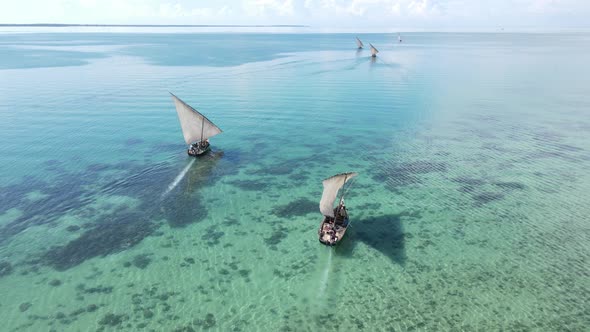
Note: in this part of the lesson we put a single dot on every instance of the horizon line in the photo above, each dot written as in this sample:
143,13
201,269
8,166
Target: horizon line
156,25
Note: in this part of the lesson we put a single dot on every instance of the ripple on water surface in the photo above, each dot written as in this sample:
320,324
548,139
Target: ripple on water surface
469,211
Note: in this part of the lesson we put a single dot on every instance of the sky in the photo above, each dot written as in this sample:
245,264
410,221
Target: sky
401,15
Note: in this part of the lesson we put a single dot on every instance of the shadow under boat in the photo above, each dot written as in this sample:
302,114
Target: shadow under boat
383,233
202,173
186,204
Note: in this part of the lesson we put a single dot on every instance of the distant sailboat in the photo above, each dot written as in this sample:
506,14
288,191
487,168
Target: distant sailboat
374,51
399,37
335,220
196,128
359,43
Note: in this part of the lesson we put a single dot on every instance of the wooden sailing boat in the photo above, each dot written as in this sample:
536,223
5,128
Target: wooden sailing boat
359,43
374,51
335,220
196,128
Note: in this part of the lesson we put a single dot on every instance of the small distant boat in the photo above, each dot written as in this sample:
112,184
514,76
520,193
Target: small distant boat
196,128
374,51
359,43
399,37
335,220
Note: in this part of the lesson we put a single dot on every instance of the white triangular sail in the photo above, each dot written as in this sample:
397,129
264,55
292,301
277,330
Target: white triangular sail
374,51
359,43
195,126
399,37
331,187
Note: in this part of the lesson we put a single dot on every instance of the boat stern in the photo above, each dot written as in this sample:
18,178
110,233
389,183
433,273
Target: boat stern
329,234
197,150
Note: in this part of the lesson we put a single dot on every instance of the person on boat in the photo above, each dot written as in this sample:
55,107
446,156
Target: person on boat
334,238
340,215
343,213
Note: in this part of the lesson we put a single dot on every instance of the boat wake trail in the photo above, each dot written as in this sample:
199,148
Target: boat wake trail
325,274
379,61
178,178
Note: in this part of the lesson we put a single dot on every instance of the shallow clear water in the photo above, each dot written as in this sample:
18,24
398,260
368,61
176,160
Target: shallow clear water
470,211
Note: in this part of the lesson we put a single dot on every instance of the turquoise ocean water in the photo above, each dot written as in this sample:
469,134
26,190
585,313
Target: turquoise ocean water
470,211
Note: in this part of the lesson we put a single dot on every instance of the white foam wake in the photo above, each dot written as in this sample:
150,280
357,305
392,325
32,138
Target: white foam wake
324,280
178,178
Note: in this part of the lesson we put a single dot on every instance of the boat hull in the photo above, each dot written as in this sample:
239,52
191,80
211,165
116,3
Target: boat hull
196,151
331,233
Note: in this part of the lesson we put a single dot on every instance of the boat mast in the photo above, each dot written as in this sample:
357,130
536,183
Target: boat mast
202,127
340,201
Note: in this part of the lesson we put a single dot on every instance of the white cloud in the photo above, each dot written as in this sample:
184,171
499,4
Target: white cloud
553,6
431,14
374,8
269,7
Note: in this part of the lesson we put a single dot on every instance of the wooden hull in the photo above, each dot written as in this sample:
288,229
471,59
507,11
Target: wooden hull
330,234
199,151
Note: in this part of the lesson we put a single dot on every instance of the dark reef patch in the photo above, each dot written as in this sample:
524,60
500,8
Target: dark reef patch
396,175
118,232
14,196
206,323
150,302
279,234
229,221
73,228
24,306
212,235
469,181
420,167
55,282
486,197
467,189
245,273
469,184
475,188
5,268
510,185
120,229
250,185
62,194
369,207
141,261
299,267
297,208
549,154
299,179
184,209
94,290
111,319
